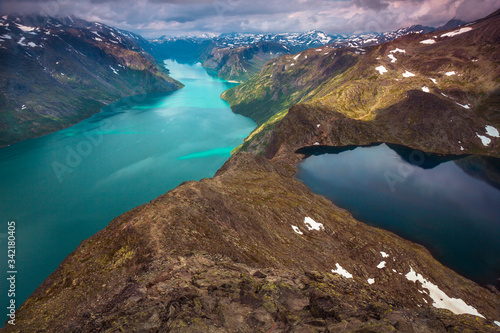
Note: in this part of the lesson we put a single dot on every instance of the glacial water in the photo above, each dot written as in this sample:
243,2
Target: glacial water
64,187
449,204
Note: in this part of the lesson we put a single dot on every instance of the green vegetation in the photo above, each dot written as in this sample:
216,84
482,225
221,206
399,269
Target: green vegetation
450,95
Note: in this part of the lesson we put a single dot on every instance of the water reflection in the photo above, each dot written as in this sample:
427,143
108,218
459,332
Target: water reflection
450,204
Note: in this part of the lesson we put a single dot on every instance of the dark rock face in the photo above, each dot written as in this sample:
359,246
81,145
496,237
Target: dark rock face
221,255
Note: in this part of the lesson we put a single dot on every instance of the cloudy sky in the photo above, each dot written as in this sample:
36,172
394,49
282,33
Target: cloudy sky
153,18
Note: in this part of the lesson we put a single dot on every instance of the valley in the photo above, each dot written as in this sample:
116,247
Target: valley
252,248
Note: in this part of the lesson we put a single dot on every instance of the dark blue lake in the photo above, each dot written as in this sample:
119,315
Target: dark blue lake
449,204
64,187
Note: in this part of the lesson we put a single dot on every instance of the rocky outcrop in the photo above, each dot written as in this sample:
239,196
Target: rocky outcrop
250,250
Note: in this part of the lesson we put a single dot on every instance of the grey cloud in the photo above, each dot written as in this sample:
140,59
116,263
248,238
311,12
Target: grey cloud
176,17
371,4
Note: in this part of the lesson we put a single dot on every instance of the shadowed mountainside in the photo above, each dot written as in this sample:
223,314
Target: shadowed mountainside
55,73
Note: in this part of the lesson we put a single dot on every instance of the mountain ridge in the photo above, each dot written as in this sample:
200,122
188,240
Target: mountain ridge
235,252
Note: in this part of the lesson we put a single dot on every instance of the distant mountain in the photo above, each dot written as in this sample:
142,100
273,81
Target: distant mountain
57,72
242,62
451,24
215,51
292,41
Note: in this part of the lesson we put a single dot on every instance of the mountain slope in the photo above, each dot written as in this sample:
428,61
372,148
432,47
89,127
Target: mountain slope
436,92
250,250
242,62
55,73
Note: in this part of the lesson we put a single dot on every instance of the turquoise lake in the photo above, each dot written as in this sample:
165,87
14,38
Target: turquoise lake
64,187
449,204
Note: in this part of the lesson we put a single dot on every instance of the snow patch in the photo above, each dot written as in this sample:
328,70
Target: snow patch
114,70
440,299
384,255
397,50
316,144
456,32
485,140
342,272
450,73
297,230
465,106
313,225
381,265
392,57
371,281
461,148
21,42
296,57
433,80
381,69
25,28
428,41
425,89
408,74
497,323
318,125
97,39
6,36
492,131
